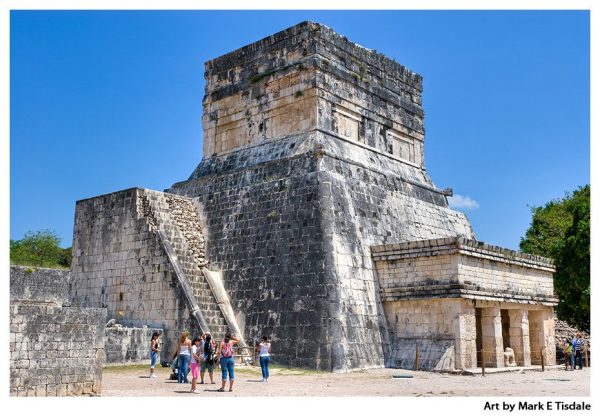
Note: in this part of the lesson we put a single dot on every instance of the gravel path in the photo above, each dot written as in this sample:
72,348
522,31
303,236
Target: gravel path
134,381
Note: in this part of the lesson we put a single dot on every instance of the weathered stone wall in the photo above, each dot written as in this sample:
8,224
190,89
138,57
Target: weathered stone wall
54,350
467,268
432,326
39,284
263,232
119,264
370,198
306,78
253,195
430,289
503,277
129,345
445,331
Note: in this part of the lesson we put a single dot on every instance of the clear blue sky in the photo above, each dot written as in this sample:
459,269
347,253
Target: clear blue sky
102,101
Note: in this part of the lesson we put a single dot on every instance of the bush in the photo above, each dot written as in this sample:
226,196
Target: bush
40,248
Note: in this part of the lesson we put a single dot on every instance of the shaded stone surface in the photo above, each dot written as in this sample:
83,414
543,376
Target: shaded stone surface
55,350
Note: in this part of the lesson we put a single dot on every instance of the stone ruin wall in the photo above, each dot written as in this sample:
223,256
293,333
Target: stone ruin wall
263,233
496,272
431,290
119,264
129,345
308,77
437,327
55,350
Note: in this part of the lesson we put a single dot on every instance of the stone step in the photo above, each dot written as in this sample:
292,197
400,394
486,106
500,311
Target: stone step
178,218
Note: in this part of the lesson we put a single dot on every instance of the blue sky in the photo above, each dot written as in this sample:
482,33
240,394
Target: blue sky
103,101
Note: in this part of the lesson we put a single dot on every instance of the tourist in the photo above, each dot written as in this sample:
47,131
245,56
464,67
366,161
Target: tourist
195,359
573,343
208,362
577,347
264,354
184,354
154,350
225,354
567,350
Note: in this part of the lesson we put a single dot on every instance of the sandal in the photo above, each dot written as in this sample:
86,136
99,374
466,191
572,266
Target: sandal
220,390
230,390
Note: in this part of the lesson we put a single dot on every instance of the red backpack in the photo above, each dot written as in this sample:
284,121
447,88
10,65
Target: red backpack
227,350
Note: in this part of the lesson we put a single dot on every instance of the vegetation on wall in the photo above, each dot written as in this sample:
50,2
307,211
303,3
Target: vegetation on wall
561,230
41,249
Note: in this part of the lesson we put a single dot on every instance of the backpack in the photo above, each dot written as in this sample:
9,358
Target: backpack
209,354
227,350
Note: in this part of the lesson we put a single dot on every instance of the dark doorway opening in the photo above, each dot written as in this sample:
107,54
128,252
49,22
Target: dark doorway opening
505,319
478,340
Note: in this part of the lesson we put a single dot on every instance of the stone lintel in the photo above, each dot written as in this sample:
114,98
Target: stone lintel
464,246
448,291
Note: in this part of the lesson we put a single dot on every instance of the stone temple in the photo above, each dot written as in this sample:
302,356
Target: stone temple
312,219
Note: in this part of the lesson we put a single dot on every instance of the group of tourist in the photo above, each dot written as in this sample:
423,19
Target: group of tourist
202,353
573,350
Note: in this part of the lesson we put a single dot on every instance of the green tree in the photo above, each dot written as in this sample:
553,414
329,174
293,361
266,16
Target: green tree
40,248
561,230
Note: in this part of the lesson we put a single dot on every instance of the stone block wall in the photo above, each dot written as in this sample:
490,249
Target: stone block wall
278,196
462,267
262,91
55,351
449,278
129,345
369,199
263,232
503,277
368,98
307,78
119,264
443,330
37,284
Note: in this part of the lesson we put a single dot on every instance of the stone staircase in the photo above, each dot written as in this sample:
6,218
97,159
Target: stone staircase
176,220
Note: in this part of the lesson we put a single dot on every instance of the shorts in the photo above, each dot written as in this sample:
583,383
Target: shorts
153,358
194,370
205,365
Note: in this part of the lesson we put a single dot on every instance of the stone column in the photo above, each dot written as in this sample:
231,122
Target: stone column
465,333
519,336
541,333
536,335
549,346
491,336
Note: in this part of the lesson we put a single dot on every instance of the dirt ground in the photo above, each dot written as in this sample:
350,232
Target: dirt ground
135,381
